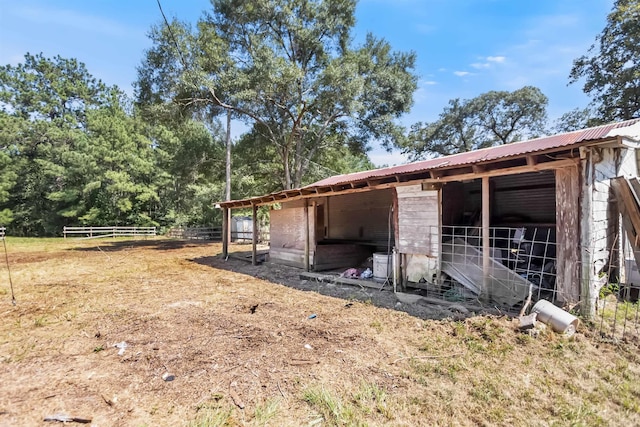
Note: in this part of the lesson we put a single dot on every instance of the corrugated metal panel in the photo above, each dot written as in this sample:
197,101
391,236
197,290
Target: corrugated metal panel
486,154
478,156
361,216
526,197
529,196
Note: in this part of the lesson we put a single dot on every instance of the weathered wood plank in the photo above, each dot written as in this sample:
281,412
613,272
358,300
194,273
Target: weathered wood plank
287,227
418,221
567,232
326,278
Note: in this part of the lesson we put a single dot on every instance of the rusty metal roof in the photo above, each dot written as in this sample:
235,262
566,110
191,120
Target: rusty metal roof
486,155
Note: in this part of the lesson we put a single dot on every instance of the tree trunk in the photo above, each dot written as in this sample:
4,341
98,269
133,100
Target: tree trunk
227,193
226,213
287,169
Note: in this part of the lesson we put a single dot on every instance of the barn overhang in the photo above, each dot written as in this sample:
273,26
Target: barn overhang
434,173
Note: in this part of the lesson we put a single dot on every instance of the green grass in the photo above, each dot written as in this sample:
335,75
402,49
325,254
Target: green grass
266,411
329,405
214,415
368,405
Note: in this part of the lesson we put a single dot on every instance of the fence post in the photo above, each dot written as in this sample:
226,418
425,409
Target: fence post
64,231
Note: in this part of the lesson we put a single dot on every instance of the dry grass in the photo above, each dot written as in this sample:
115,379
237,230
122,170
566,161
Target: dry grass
233,340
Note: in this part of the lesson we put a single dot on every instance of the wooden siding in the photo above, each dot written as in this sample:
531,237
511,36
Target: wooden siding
567,232
360,217
287,227
333,256
290,256
418,220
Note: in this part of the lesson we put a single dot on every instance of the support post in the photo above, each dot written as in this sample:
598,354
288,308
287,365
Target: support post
486,246
568,231
225,232
306,235
254,240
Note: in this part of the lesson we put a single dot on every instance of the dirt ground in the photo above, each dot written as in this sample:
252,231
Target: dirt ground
162,332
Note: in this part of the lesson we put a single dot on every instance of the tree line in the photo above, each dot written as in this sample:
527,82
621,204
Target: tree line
75,151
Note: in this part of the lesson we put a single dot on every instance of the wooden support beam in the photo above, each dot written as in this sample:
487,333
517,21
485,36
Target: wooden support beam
306,235
568,235
225,232
254,236
486,244
532,160
478,168
436,176
507,171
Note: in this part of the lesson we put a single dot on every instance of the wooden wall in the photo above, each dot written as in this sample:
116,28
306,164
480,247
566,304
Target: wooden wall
360,217
418,220
288,234
287,226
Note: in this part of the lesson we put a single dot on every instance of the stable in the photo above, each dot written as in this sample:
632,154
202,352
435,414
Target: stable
488,225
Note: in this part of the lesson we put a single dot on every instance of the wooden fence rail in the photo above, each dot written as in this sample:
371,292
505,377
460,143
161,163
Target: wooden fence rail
195,233
112,231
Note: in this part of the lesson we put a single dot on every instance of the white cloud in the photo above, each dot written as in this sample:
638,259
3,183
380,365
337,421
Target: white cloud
462,73
488,62
428,82
497,59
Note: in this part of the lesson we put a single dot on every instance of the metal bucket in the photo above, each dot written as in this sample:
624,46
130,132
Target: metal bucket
559,320
381,266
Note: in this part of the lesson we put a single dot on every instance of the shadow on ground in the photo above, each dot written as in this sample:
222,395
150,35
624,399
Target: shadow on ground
290,277
161,245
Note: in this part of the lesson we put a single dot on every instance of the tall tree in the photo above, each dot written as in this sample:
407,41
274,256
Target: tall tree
611,68
287,69
9,127
74,151
492,118
576,119
46,102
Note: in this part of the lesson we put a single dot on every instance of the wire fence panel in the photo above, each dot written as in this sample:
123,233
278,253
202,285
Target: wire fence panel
195,233
520,260
618,312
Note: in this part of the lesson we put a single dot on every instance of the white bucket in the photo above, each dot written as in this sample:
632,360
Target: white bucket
559,320
381,266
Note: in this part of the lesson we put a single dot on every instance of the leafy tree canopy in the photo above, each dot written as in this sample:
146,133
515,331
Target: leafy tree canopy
493,118
73,151
611,68
287,68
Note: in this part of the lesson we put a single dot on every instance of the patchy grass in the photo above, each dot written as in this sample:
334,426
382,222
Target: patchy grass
231,339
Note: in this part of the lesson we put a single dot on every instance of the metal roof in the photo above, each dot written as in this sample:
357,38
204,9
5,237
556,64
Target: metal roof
501,152
483,155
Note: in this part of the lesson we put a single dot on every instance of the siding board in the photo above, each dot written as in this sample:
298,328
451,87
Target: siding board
418,220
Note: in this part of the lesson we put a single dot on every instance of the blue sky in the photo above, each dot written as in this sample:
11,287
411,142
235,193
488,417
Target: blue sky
464,47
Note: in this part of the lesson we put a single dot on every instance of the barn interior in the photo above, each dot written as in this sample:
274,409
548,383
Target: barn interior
522,230
344,230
